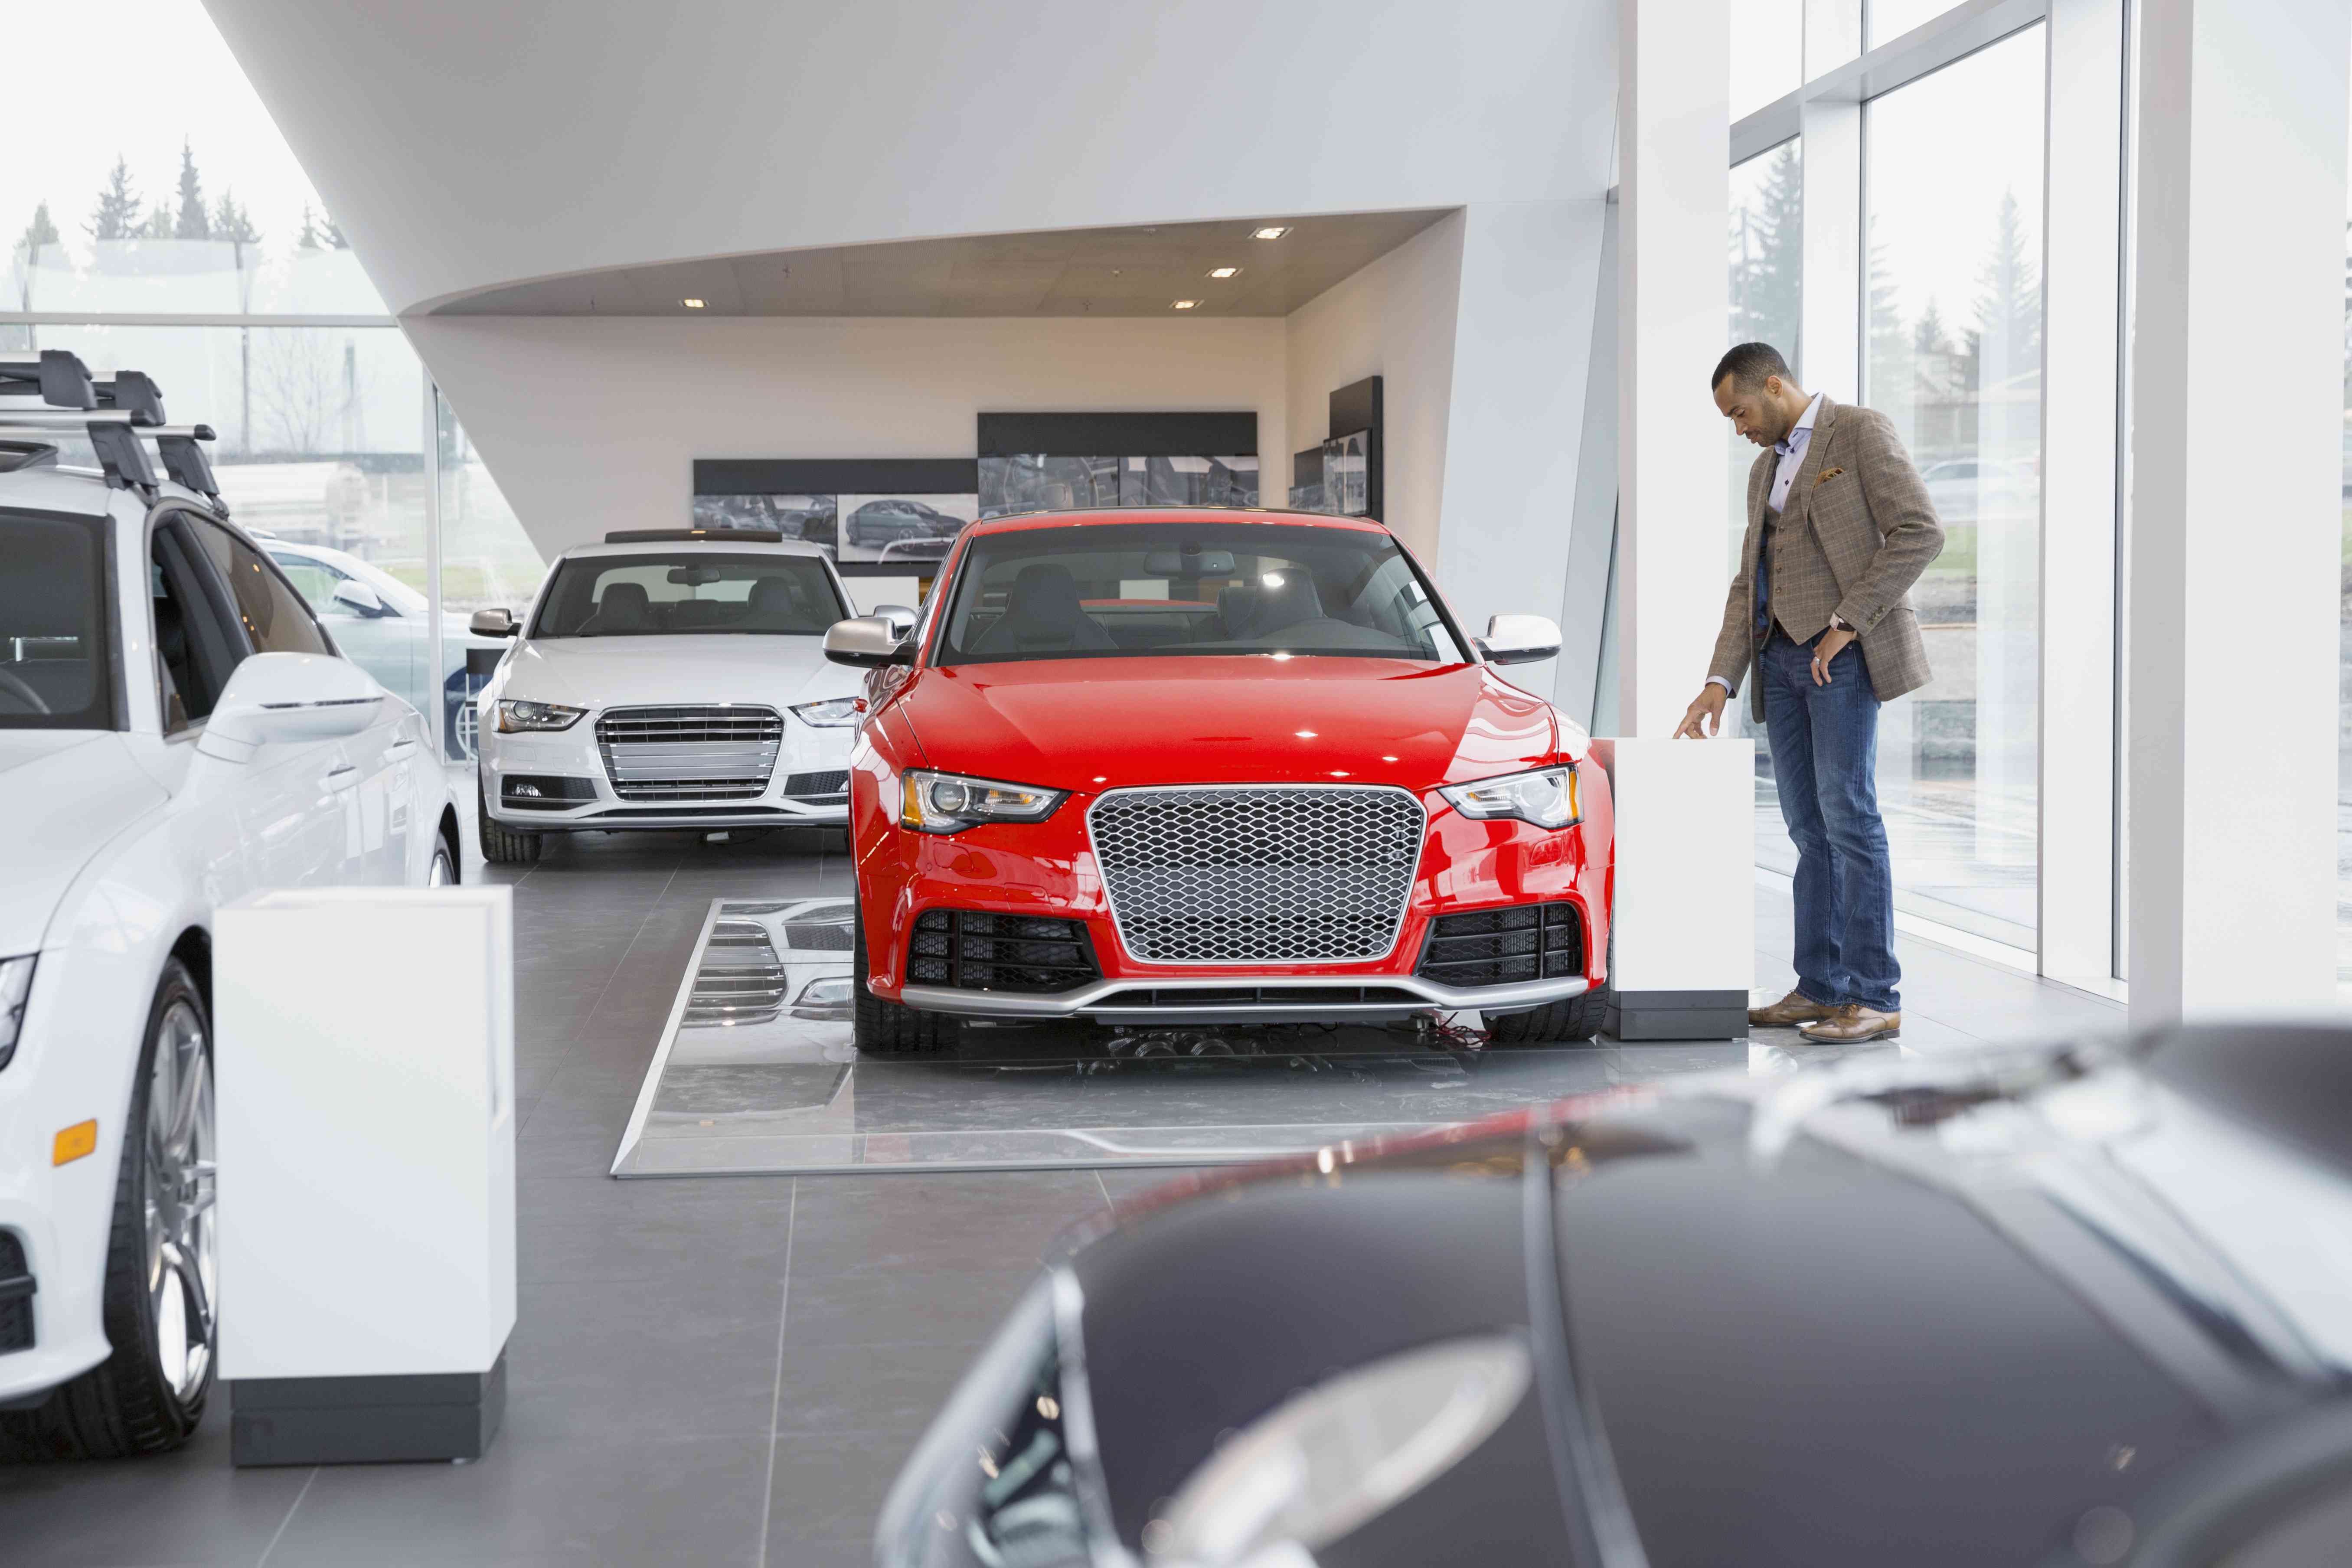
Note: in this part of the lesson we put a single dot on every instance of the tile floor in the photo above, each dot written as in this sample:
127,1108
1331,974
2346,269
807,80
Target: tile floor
721,1370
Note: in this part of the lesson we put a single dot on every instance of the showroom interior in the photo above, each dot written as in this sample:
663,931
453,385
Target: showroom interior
463,291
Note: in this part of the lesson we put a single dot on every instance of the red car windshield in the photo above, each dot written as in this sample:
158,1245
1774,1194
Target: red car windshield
1173,588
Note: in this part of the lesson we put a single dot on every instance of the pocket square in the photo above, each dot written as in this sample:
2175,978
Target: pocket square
1827,474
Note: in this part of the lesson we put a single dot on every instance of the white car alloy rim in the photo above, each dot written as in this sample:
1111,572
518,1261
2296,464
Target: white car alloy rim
181,1247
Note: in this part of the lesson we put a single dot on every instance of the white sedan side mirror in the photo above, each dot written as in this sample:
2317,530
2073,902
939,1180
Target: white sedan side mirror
492,624
361,599
901,618
1520,639
869,642
278,697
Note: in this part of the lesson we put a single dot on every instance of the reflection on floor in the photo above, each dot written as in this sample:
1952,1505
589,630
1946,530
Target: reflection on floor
755,1074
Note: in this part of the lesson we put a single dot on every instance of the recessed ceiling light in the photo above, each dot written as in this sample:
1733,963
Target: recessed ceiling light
1184,305
1271,231
691,304
1223,271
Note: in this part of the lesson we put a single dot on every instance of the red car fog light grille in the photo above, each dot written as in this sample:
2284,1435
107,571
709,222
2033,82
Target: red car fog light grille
1258,873
975,950
1503,947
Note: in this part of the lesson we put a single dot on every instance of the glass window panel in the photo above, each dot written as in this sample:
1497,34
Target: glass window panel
487,560
1768,52
177,196
1954,356
1893,18
2344,664
1767,262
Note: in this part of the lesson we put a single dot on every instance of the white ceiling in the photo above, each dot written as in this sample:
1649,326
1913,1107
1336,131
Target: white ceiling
1127,271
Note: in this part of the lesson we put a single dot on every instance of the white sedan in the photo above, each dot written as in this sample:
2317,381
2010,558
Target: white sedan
175,731
668,680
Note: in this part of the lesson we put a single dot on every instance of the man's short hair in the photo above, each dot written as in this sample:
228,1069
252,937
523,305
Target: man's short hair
1748,366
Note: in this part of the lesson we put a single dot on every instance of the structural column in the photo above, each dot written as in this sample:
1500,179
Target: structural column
2233,602
1674,134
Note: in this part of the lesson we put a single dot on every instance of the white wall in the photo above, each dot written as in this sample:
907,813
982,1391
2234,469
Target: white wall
1395,319
1522,361
595,425
464,145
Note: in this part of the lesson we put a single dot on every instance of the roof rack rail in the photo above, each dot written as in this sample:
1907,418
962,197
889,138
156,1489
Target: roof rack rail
677,535
15,455
114,414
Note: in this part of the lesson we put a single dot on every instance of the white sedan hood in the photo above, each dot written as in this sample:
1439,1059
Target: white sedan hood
68,792
627,671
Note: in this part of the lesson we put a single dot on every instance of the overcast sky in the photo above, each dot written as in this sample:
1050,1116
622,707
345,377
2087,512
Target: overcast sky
134,76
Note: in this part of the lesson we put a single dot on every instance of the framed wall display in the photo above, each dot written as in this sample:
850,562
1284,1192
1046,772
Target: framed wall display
883,517
1347,471
1037,462
1306,480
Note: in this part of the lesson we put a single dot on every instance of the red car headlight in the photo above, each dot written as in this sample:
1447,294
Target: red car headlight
950,803
1546,797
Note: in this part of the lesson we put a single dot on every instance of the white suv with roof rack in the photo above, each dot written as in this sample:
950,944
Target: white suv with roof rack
669,678
177,731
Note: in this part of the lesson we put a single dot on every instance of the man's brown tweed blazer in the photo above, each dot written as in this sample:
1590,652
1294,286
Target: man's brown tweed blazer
1856,532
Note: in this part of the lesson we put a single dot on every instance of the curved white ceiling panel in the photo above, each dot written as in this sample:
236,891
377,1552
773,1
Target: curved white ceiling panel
469,144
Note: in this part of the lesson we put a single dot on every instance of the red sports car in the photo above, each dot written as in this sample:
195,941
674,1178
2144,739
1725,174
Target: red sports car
1222,767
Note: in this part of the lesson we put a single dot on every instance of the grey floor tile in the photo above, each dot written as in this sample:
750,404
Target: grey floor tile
589,1230
946,1306
606,1497
828,1489
896,1386
188,1507
684,1357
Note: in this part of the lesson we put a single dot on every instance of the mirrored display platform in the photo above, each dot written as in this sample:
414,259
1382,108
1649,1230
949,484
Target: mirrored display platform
755,1074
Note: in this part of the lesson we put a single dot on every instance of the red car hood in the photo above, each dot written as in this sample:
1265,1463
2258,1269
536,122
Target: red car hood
1101,723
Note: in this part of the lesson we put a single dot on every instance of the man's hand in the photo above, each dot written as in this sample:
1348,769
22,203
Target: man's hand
1832,644
1705,718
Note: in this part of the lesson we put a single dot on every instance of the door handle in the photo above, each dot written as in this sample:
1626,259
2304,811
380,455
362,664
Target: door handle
401,748
342,776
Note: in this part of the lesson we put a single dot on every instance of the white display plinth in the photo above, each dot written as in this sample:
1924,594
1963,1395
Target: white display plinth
365,1076
1684,924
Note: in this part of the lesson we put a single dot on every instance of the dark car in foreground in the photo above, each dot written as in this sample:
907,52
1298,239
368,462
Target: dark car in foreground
2086,1304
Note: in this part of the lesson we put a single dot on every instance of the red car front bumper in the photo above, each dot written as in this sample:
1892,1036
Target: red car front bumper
1048,869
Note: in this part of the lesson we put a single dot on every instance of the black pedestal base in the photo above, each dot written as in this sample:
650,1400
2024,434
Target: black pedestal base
1678,1014
366,1420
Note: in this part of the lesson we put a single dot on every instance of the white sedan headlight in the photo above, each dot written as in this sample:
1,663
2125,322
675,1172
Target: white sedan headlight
832,713
515,717
1546,796
16,986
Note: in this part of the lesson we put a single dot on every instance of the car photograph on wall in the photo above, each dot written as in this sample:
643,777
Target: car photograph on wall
662,679
1215,766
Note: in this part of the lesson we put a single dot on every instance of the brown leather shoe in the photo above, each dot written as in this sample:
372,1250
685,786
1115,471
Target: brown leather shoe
1853,1024
1796,1007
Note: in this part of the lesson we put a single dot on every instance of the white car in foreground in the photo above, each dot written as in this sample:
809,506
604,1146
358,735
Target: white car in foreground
668,680
175,731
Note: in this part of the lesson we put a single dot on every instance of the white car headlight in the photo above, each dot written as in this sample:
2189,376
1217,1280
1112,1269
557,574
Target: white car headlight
950,803
516,716
1547,797
16,986
832,713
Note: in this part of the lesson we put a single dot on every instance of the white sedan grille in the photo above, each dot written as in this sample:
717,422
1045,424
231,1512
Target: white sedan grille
1258,873
719,752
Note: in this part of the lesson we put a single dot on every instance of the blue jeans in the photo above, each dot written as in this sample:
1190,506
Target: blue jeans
1824,743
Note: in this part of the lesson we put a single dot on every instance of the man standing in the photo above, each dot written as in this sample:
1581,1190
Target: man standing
1819,619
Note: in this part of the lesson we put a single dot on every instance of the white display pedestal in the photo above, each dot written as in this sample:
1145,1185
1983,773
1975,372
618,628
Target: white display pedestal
1684,920
364,1074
